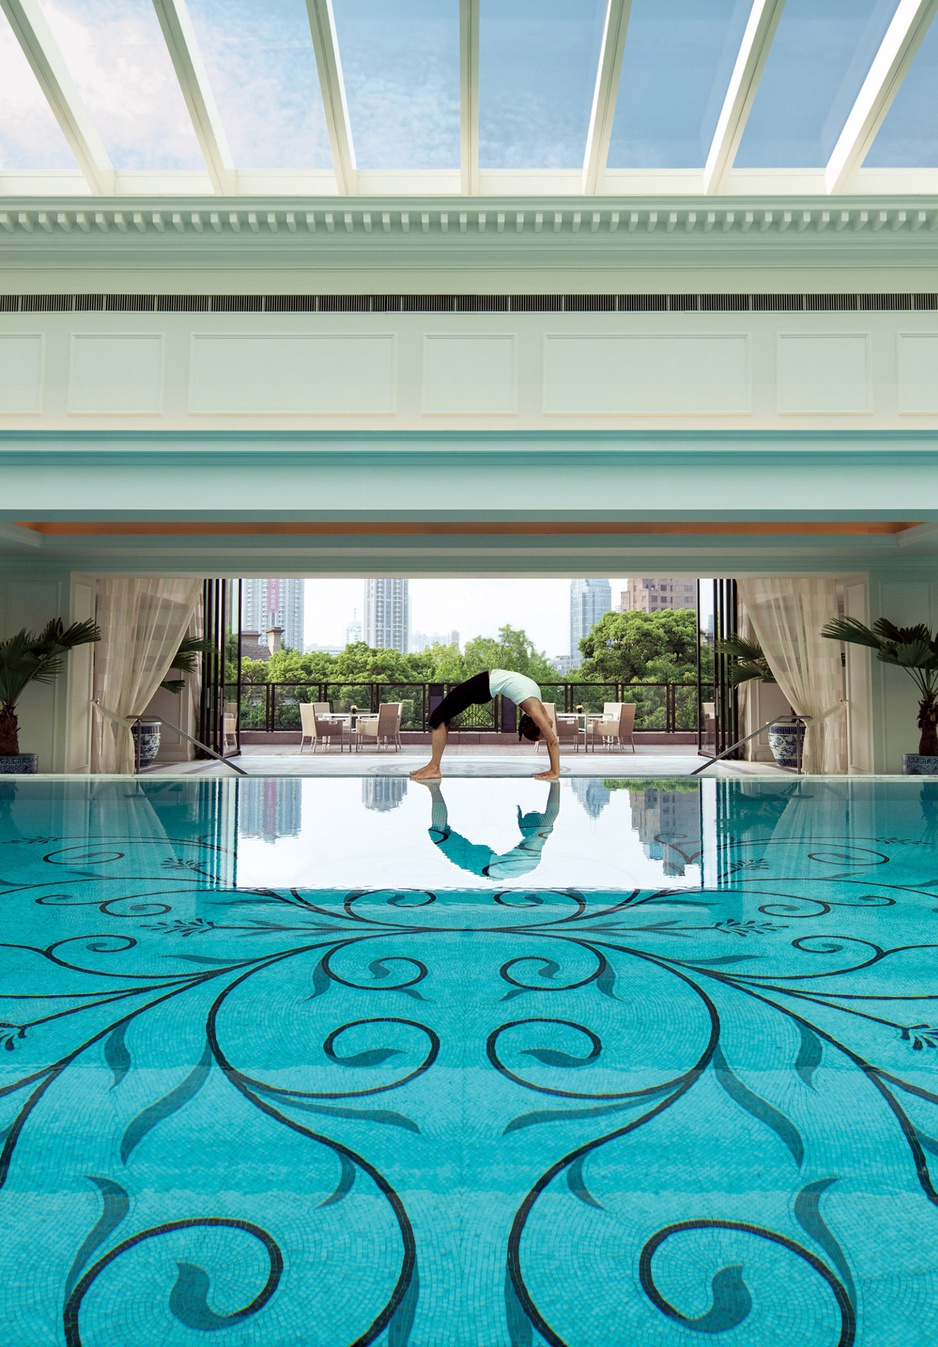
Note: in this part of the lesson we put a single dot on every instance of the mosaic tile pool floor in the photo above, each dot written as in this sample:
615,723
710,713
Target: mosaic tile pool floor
317,1062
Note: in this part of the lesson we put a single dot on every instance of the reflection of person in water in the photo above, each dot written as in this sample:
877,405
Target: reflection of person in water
481,860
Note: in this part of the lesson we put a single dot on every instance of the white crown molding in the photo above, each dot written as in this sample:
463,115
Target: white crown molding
418,216
611,238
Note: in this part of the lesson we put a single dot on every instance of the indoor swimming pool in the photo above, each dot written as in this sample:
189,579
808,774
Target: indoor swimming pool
309,1062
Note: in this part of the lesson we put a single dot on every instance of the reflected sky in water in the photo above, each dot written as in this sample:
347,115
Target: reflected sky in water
369,832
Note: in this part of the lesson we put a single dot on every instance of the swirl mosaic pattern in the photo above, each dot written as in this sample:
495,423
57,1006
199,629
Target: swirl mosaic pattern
479,1117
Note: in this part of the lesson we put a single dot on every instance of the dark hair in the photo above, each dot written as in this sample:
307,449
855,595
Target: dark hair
528,728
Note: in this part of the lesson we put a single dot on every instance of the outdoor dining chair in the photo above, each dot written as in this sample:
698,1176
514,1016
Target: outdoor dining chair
318,727
618,728
384,728
566,728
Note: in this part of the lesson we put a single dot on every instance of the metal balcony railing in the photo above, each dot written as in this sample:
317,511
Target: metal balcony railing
666,707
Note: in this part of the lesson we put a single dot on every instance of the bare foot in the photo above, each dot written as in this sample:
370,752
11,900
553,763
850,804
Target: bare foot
547,776
428,773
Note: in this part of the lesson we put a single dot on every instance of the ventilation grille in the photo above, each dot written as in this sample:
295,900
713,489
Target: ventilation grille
464,303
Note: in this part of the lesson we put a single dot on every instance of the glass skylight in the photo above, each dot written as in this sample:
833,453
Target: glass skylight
119,61
29,134
400,61
679,56
537,73
908,138
262,72
821,54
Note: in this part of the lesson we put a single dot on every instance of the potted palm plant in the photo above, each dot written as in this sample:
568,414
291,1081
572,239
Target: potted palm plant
747,662
32,657
916,651
147,731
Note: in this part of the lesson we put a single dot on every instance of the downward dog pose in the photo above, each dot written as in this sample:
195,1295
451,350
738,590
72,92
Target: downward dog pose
523,691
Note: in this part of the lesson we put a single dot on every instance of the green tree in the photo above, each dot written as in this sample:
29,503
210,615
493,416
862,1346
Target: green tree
642,647
646,648
513,649
448,663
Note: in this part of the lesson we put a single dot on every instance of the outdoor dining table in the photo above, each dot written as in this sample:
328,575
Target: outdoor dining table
347,717
582,717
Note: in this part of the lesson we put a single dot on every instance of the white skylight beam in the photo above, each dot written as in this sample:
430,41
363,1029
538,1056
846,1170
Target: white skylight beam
750,62
469,95
183,48
68,107
329,66
896,53
605,94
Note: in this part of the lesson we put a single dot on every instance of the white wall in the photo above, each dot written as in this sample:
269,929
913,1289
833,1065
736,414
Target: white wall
538,371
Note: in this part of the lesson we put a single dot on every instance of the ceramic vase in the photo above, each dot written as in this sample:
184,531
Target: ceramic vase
146,735
919,764
19,764
786,740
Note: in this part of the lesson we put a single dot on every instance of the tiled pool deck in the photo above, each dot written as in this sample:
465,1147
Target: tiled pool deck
327,1061
476,760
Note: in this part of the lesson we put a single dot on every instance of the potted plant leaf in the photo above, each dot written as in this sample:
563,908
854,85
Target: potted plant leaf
147,731
747,662
915,650
32,657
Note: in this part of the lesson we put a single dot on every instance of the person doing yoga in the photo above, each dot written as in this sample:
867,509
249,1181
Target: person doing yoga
482,687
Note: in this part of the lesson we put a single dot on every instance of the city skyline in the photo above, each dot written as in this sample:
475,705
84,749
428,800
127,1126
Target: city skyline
589,600
656,593
476,606
386,623
274,603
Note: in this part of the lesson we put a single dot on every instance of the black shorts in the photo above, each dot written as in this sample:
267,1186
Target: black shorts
474,692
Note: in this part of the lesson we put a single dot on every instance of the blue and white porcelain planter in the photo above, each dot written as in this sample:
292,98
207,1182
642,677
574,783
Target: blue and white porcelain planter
19,764
146,735
919,764
786,740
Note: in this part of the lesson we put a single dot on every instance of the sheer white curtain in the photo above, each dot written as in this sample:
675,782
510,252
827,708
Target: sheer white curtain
142,621
787,616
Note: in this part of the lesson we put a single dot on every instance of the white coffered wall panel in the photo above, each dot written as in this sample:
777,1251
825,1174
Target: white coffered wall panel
472,375
918,373
646,376
824,374
275,375
511,371
119,375
20,375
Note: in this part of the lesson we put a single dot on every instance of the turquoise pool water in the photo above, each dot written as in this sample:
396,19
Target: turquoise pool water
322,1062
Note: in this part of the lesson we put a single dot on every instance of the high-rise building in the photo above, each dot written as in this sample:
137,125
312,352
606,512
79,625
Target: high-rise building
387,615
654,594
382,793
420,640
589,600
353,632
274,603
270,808
668,823
592,794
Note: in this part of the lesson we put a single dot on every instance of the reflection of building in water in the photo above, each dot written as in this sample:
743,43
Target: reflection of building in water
668,823
270,808
591,793
383,792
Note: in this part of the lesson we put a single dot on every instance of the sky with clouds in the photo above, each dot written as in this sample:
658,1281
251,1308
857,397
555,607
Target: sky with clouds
538,61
